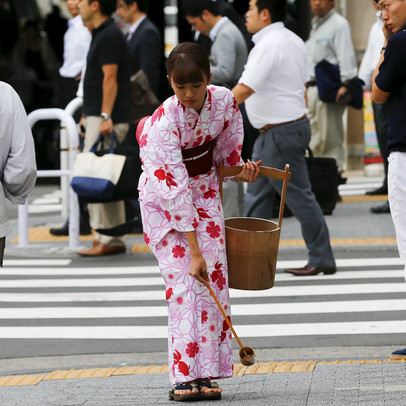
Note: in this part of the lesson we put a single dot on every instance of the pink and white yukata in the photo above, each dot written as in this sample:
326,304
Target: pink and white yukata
173,203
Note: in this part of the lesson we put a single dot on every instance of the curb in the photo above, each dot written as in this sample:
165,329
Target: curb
239,370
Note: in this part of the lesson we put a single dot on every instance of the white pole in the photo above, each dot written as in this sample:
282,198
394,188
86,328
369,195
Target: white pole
71,109
73,147
23,224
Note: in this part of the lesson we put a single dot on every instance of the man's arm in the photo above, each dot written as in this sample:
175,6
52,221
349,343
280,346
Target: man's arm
20,172
241,92
378,95
345,54
224,55
110,89
150,54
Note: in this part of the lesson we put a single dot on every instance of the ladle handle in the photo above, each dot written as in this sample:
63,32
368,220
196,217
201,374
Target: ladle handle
224,314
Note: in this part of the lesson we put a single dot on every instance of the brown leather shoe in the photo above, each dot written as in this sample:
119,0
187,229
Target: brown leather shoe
312,270
102,249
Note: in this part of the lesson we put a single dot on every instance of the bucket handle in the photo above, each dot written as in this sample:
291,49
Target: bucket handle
227,171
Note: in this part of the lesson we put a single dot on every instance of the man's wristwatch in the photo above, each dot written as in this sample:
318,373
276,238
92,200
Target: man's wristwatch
105,116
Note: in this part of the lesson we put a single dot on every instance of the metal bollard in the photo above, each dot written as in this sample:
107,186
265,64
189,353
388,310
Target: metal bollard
73,149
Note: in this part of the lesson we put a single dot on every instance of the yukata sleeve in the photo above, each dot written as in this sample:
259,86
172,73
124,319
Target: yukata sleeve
161,156
229,141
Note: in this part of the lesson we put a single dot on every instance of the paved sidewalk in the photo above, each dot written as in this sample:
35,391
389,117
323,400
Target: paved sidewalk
372,383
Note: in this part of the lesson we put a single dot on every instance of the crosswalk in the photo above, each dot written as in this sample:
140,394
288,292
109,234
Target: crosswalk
358,186
47,203
53,300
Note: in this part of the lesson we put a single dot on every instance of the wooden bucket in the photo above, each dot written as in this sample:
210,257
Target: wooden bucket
252,252
252,244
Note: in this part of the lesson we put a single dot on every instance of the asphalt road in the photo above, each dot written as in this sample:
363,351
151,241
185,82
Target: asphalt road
80,311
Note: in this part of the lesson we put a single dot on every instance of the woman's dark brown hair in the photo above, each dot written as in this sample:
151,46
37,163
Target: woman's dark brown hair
187,62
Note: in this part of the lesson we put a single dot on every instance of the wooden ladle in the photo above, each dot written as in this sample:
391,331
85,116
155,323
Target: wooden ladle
246,354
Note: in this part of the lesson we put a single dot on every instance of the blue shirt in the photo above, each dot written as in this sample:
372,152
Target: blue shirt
392,78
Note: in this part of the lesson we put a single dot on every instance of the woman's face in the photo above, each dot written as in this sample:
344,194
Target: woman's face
192,95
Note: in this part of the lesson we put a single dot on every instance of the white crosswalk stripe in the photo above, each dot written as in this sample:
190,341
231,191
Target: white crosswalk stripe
47,203
49,299
359,186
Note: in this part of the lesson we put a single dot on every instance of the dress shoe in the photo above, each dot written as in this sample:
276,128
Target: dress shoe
341,180
101,249
312,270
399,354
84,229
382,190
382,209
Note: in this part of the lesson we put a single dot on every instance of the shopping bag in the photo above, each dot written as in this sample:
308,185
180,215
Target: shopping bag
96,177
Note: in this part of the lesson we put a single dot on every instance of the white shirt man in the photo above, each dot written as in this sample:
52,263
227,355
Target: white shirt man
76,46
372,54
273,88
278,93
369,61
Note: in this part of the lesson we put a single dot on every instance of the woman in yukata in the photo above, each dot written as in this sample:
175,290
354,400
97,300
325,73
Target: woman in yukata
181,145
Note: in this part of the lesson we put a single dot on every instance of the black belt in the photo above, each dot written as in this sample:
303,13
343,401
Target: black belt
311,83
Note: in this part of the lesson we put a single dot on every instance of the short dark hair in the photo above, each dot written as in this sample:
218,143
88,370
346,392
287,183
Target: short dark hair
107,7
195,8
277,8
142,5
187,62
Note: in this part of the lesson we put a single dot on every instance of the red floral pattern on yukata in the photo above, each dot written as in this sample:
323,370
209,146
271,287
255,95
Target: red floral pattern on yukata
172,205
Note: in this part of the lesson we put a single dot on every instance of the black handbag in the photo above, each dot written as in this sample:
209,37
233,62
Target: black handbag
328,82
127,185
323,175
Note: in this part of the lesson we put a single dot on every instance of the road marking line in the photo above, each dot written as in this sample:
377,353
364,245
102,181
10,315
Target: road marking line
33,209
278,291
343,241
158,281
154,270
271,309
36,262
357,199
246,331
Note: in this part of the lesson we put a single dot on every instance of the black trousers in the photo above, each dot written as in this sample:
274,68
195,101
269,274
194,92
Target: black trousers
2,246
381,124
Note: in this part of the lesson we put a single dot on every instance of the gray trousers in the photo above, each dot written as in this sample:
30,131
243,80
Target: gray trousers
286,144
2,246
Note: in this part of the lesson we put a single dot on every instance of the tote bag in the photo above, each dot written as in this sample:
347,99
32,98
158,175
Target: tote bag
95,176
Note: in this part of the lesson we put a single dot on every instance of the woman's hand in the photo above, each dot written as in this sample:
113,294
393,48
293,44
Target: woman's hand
198,269
198,266
249,172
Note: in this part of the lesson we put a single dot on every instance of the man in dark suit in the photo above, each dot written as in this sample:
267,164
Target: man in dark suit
144,40
225,9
